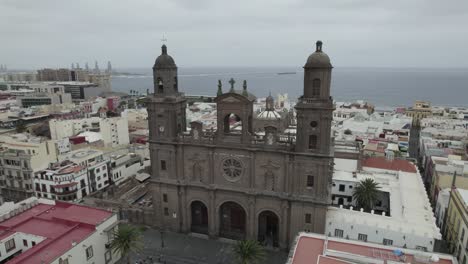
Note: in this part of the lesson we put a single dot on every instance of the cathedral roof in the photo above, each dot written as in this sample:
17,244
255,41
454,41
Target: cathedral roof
164,60
318,59
269,115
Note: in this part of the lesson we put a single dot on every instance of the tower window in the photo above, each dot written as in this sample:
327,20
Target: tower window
312,142
313,124
310,181
163,165
308,218
316,87
175,84
160,85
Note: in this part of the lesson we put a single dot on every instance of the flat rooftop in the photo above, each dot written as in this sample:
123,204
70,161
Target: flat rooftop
60,224
410,209
314,248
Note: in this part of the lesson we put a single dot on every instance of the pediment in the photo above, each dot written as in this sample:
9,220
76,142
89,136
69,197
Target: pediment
230,99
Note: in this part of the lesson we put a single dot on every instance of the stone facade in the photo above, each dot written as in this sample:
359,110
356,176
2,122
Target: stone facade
233,183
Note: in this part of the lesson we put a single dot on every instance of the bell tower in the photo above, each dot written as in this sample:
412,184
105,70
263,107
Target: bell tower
165,74
166,108
315,108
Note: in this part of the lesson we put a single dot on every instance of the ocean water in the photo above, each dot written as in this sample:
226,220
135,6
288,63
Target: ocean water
384,87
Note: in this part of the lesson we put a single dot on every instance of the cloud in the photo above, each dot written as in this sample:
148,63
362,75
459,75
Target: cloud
396,33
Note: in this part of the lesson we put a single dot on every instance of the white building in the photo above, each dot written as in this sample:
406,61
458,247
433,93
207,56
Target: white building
402,217
46,231
64,181
95,162
22,155
124,166
441,207
114,130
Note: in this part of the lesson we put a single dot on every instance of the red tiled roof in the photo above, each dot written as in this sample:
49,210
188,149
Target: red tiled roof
61,225
383,163
310,249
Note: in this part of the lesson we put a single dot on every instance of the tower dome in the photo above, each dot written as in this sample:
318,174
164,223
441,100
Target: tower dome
318,59
164,60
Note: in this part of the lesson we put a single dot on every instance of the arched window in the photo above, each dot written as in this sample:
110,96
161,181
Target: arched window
160,85
312,142
316,87
232,124
176,86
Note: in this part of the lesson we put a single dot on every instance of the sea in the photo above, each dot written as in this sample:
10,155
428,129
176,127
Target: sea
383,87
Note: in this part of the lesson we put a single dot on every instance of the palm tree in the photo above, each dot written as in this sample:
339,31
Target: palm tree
366,193
249,252
127,239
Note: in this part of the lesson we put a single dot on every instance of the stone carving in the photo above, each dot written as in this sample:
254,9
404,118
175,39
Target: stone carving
232,169
197,168
270,177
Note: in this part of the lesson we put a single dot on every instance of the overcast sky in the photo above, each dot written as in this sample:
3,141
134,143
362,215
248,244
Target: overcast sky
362,33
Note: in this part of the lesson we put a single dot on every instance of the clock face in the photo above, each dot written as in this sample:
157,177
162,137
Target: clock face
161,129
232,169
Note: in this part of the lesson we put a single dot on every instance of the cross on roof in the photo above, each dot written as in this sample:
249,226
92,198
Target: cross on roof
232,82
163,40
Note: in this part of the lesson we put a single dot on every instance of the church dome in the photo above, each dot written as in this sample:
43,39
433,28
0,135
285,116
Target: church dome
318,59
164,60
269,115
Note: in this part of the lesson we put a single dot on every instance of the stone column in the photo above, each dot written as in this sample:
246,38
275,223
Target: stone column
250,225
212,215
252,170
284,227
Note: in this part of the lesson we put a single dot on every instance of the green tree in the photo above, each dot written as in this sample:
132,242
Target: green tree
366,193
127,239
248,252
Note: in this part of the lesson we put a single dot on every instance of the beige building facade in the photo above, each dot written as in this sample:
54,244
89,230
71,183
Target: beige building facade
233,183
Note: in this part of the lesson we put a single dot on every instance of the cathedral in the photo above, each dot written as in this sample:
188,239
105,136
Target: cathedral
235,183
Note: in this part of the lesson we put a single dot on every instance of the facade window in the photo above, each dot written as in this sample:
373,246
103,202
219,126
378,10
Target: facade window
166,211
108,256
362,237
316,87
349,199
10,245
312,142
338,233
342,188
25,242
165,197
89,252
387,242
308,218
310,181
33,243
163,165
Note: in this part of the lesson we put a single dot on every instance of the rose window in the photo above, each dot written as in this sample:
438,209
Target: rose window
232,168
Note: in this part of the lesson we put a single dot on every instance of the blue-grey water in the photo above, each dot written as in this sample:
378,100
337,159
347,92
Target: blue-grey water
384,87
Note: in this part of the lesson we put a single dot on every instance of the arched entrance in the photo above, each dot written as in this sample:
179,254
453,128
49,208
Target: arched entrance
232,221
199,218
268,229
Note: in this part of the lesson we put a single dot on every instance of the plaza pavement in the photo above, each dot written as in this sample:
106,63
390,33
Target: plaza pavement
188,249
